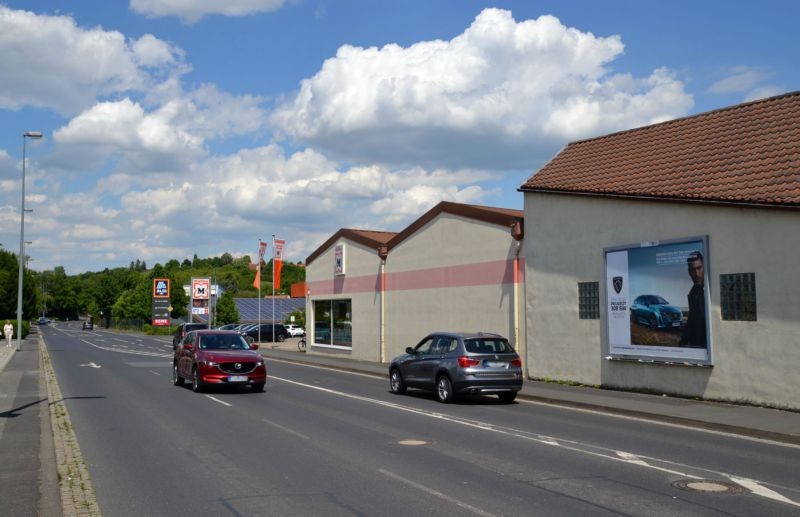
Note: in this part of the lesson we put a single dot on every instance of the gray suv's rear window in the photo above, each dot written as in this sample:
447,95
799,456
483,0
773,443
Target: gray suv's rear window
487,346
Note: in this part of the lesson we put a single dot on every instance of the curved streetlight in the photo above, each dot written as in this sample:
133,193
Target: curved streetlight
34,135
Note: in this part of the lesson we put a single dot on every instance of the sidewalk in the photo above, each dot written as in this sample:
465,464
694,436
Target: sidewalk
28,478
758,422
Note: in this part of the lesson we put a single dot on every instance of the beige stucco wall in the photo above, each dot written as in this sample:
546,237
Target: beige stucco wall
437,252
452,241
362,266
753,361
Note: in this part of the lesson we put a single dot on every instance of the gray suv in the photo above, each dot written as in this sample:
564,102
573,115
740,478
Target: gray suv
454,363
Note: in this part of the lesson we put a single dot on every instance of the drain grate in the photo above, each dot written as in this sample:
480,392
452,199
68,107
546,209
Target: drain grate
709,486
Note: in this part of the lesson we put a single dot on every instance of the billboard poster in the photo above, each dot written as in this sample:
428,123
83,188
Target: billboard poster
657,300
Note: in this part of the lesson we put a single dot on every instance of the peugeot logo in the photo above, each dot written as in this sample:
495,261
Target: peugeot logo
238,366
617,283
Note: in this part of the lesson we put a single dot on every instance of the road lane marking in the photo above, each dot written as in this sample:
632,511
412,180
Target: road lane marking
218,400
436,493
571,408
92,365
652,463
763,491
286,429
154,373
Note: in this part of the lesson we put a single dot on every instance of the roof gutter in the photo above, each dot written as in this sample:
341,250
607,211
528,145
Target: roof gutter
737,204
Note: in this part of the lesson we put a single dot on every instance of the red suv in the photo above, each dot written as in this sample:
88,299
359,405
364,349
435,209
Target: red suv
218,357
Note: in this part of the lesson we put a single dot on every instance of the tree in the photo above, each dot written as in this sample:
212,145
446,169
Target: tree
9,281
226,309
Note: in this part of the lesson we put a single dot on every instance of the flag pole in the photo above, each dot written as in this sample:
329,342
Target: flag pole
273,289
259,289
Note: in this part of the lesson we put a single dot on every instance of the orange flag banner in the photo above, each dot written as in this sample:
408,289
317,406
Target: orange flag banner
257,281
277,262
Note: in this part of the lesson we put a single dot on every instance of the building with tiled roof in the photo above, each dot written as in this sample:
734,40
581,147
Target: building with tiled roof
457,267
743,155
617,220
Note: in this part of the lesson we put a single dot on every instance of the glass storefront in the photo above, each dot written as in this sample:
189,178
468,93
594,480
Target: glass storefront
332,322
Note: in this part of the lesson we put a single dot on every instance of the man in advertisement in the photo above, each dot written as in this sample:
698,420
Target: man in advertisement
694,333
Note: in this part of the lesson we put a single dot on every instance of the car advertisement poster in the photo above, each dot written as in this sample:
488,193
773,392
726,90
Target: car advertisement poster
657,300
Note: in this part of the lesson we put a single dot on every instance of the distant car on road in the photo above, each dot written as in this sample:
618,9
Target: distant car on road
453,363
218,357
281,334
656,312
42,321
229,326
295,330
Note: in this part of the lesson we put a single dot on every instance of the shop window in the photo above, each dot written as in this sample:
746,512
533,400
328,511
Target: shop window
589,300
737,295
333,322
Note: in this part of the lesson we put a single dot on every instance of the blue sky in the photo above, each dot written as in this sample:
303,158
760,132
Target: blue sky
175,128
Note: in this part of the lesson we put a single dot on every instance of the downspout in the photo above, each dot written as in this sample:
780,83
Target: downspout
517,232
383,251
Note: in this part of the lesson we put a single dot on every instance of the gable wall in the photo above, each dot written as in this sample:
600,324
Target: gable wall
753,361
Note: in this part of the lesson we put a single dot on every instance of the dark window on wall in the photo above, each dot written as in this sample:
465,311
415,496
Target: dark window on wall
333,322
737,295
589,300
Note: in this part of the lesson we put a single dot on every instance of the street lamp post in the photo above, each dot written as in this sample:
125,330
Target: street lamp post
35,135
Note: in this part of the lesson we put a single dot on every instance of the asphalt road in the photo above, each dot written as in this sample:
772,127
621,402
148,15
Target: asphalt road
326,442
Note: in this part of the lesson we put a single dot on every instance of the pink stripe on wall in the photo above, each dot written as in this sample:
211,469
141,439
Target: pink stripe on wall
485,273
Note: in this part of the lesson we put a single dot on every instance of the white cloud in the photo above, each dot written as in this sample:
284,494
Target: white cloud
191,11
8,167
168,137
739,79
50,62
503,94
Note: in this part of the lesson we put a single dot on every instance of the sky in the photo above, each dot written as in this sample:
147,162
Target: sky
181,127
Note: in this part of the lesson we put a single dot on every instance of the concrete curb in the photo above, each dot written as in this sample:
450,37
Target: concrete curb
77,493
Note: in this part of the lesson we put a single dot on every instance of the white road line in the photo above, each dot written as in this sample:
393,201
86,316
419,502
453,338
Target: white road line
669,467
436,493
285,429
570,408
154,373
659,422
757,489
218,400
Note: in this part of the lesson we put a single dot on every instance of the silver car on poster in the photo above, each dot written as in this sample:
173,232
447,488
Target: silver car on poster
456,363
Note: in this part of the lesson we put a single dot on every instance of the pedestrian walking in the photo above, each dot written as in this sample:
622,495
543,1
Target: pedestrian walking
8,332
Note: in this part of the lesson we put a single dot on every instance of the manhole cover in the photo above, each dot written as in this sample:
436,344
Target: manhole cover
709,486
412,442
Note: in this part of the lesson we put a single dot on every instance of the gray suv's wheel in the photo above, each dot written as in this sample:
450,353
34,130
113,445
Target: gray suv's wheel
396,383
507,397
444,389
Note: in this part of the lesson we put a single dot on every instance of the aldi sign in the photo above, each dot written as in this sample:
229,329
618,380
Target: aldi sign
161,306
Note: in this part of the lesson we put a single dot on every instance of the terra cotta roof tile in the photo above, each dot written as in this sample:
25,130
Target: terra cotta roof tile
743,154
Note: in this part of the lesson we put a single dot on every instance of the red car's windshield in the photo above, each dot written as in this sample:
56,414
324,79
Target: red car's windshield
223,342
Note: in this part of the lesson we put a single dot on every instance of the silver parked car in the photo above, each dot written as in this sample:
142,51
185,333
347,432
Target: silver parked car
453,363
